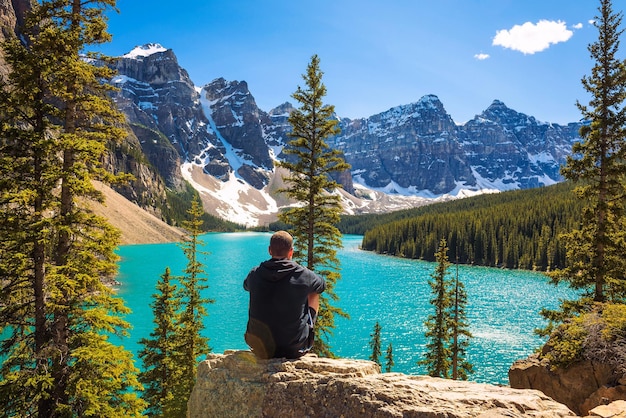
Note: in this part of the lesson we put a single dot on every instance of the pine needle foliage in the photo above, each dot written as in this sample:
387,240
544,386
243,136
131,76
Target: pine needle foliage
176,345
56,314
461,367
597,335
310,164
438,331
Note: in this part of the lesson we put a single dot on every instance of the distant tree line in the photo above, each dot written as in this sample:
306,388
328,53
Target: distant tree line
517,230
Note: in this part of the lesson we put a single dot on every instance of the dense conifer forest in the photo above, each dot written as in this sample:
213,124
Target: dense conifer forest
517,229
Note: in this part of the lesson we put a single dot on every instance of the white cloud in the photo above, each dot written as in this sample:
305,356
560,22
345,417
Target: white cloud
591,21
578,26
530,38
481,56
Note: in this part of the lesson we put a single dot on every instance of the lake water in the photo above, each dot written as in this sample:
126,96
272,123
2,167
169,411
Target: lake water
503,305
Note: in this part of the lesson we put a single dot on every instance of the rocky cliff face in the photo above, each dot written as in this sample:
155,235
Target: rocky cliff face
241,126
582,386
412,148
163,109
418,148
236,384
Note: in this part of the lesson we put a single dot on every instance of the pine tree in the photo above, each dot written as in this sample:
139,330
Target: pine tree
389,359
159,354
595,252
191,343
438,356
461,368
375,344
310,164
56,118
27,155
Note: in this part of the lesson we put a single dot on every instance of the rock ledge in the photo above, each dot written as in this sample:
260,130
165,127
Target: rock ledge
237,384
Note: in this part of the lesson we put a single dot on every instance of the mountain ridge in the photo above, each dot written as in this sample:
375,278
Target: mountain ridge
407,156
413,154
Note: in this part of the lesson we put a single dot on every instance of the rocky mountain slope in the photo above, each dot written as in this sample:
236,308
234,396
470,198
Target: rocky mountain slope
216,137
418,149
136,225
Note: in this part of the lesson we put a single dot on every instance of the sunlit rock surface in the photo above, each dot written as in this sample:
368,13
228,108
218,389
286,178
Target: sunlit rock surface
236,384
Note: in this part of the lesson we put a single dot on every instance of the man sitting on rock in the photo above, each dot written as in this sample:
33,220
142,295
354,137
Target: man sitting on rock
284,300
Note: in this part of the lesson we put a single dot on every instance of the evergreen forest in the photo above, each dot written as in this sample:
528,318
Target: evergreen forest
518,229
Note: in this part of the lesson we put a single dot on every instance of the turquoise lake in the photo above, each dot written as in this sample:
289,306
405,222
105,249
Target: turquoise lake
503,305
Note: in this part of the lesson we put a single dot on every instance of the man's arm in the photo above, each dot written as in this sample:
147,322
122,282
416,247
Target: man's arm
245,282
314,301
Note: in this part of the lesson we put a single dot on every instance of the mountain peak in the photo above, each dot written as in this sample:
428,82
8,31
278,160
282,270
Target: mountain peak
145,50
284,109
220,88
429,98
497,104
430,101
500,113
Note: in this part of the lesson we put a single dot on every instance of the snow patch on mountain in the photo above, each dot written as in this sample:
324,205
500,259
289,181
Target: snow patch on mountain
502,184
426,196
234,199
145,51
233,155
543,157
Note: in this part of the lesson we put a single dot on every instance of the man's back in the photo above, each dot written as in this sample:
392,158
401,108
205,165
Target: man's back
279,323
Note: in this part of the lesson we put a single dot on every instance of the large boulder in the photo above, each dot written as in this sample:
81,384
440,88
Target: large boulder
581,386
237,384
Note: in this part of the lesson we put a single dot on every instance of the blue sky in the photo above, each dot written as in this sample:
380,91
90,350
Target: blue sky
531,54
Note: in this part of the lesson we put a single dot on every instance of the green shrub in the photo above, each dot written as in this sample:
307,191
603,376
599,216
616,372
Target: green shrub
598,335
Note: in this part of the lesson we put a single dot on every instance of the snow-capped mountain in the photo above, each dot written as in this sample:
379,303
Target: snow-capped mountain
216,137
418,149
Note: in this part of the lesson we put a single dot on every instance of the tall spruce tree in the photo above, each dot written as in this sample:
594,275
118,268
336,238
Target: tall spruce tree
310,164
191,343
375,344
461,335
596,262
438,325
56,314
160,355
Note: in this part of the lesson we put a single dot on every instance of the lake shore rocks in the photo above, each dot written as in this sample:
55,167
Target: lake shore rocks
582,386
237,384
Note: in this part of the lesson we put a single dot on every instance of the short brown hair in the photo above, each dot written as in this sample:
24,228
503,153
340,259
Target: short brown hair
280,243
